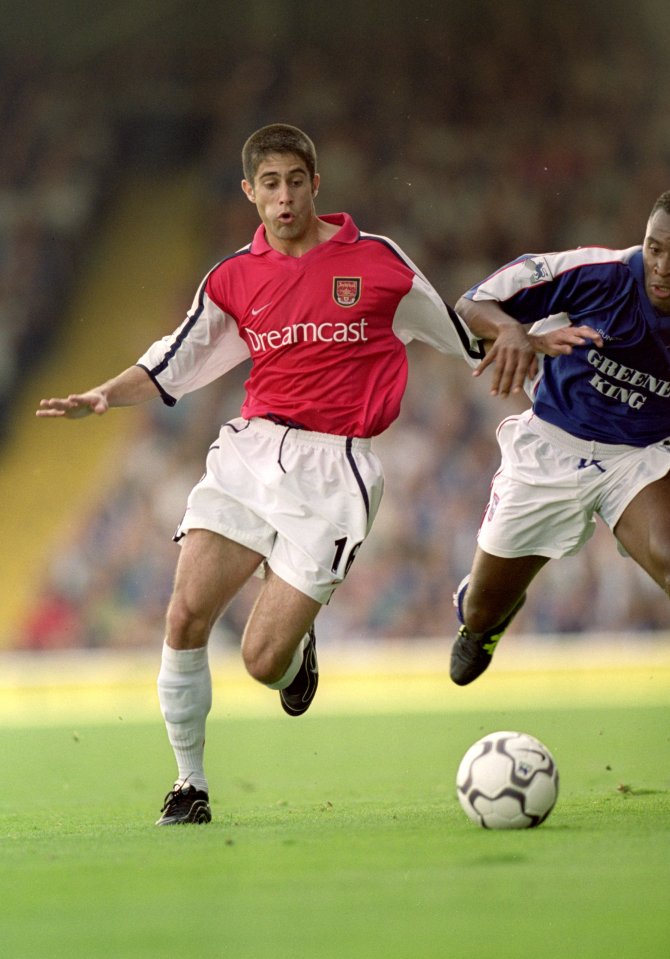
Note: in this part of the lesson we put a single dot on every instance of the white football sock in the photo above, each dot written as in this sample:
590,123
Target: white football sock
185,697
293,666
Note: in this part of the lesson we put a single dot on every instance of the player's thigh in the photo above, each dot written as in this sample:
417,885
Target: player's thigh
331,495
279,619
496,585
644,530
210,572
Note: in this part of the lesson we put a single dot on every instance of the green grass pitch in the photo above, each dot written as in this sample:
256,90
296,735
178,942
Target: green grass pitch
336,836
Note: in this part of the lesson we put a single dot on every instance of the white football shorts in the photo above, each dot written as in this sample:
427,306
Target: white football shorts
303,500
551,485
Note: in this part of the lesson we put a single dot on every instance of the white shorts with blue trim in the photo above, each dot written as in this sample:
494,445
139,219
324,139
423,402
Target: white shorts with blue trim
551,485
305,501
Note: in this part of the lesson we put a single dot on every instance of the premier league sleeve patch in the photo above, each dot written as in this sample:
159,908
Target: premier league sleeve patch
346,290
538,268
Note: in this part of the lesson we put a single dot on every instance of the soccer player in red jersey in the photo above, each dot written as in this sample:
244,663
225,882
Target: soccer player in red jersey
324,312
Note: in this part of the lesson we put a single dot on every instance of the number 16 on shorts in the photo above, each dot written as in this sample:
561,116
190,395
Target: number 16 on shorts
344,554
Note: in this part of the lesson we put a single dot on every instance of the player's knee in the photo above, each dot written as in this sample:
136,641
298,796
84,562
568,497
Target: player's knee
186,628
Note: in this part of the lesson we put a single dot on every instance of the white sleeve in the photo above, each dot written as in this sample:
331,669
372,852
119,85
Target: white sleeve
423,315
203,348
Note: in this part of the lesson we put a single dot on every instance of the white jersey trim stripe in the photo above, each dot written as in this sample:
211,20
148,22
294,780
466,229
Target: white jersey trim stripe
533,269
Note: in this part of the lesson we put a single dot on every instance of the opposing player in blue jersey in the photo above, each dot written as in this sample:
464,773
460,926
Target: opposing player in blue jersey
597,439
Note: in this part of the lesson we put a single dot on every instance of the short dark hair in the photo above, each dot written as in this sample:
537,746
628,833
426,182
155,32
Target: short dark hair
663,203
277,138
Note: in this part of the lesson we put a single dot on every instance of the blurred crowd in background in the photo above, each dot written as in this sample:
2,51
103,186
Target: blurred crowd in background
56,152
467,147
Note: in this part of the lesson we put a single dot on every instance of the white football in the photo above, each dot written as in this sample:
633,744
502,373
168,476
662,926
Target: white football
507,780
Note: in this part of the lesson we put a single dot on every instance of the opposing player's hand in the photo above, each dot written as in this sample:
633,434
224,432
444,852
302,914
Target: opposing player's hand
74,406
561,342
512,357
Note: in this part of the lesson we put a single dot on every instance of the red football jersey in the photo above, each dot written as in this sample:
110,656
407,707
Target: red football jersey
326,331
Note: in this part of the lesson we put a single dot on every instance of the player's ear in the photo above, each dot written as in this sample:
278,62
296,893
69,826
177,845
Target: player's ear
316,179
249,190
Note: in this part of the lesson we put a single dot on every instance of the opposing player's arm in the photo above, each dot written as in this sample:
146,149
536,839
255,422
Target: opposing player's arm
563,340
510,350
129,388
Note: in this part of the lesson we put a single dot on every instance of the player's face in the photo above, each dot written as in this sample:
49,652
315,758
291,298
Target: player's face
656,254
284,197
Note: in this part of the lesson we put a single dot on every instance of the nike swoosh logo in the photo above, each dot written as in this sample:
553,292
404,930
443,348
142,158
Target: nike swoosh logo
260,309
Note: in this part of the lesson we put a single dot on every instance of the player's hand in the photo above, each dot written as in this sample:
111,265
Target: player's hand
561,342
512,356
74,406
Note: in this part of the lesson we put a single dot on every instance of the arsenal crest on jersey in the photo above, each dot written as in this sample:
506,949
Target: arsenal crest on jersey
346,290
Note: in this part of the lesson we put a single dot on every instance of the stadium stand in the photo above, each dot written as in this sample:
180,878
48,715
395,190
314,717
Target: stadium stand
55,167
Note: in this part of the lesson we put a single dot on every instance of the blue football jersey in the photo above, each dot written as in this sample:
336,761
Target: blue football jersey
617,393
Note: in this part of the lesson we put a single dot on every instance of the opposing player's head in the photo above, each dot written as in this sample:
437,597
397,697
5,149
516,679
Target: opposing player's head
280,179
656,254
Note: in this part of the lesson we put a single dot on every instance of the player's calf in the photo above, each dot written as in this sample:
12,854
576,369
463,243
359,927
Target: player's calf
472,652
296,698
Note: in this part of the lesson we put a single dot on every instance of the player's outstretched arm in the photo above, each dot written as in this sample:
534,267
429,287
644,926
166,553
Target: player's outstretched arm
511,352
129,388
562,341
